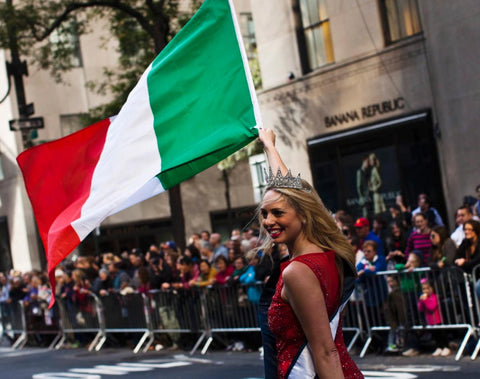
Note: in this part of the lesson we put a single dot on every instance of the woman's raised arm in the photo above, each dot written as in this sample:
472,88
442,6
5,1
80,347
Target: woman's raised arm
267,138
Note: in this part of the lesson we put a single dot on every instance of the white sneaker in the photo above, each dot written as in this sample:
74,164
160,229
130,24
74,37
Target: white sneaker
437,352
446,352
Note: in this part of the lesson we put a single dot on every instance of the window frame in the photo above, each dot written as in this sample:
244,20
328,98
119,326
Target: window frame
386,30
301,31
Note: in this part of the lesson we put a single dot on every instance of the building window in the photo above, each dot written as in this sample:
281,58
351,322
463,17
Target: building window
316,33
5,251
400,19
248,34
258,165
64,40
71,123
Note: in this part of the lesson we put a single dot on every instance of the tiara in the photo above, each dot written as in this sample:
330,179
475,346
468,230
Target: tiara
280,181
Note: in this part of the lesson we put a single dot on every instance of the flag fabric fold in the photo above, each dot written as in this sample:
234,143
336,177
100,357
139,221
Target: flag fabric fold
193,106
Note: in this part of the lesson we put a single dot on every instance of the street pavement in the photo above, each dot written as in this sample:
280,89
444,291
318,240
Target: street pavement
38,363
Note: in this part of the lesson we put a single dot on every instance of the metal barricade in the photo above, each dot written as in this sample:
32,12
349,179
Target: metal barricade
175,312
397,305
230,309
39,321
79,318
207,311
128,313
476,288
211,311
352,321
14,323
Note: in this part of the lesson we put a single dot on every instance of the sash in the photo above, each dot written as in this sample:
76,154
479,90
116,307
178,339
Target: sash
302,366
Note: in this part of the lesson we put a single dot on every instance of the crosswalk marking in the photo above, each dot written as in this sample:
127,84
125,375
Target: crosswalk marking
100,371
183,357
64,375
387,375
173,364
179,360
424,368
404,371
10,353
144,365
123,368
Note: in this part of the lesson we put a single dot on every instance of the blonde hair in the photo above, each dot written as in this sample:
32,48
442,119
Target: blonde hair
319,227
374,157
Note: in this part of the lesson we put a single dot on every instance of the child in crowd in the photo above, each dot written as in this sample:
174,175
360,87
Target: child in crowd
395,313
428,305
414,261
410,286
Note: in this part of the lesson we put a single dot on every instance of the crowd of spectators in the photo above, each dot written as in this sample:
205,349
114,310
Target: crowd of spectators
404,239
400,232
400,238
206,261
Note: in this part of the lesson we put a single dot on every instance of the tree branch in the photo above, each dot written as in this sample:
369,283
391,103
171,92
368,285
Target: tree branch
113,4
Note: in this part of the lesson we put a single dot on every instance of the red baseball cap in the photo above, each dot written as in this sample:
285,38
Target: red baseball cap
361,222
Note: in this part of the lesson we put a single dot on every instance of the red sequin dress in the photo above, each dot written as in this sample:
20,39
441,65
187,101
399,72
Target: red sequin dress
285,326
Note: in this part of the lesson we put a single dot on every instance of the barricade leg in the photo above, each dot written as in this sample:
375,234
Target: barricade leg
354,338
365,347
100,343
55,341
207,345
96,340
464,343
142,341
60,343
199,341
20,342
149,342
475,351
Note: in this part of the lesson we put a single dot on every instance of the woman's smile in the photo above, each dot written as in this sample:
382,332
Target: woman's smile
274,233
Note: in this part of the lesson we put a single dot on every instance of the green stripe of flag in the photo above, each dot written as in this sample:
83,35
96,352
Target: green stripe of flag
201,76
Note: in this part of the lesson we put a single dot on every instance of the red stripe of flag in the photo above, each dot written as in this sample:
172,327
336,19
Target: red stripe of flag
58,176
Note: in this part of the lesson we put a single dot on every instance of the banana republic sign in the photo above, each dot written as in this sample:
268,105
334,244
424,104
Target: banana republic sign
366,112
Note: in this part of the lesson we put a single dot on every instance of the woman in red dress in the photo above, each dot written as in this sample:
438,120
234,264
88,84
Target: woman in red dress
305,314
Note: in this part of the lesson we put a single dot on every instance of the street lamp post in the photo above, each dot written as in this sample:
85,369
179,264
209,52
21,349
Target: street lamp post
17,69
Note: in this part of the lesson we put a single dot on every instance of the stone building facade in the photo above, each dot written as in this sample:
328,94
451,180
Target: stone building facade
386,81
390,86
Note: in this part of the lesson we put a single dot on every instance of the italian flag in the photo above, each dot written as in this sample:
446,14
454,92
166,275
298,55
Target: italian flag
194,106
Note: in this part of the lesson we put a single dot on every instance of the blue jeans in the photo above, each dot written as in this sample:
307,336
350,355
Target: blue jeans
269,345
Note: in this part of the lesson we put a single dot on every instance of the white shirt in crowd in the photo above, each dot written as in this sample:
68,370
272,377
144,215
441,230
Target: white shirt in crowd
458,235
